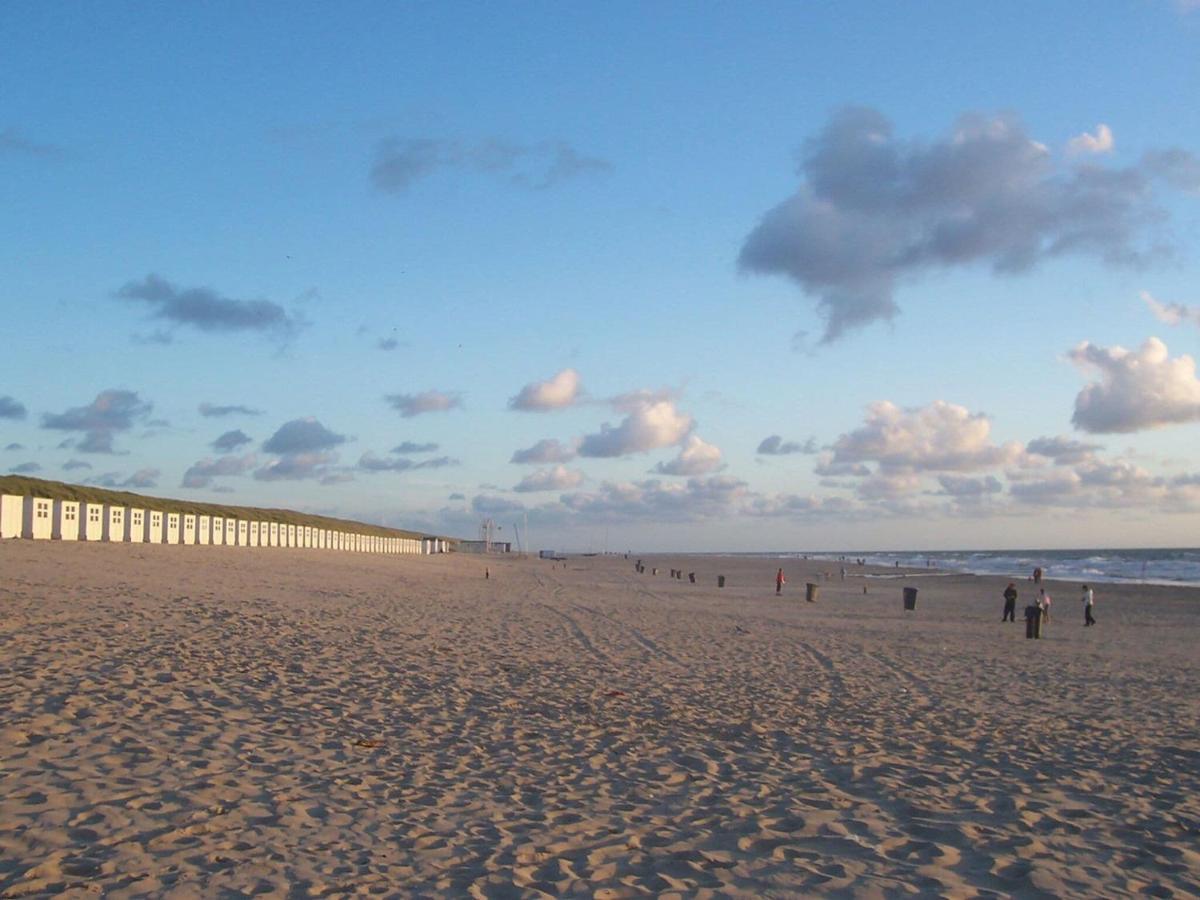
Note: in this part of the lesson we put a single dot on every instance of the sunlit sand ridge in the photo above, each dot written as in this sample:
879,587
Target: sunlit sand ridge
191,721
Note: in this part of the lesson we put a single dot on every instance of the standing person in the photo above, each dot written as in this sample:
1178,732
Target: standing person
1037,575
1044,604
1010,603
780,581
1089,599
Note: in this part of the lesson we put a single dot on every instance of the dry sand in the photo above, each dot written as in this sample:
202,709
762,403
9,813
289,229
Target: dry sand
200,721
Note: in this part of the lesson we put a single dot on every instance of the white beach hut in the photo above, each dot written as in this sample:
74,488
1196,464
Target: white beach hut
203,529
12,511
135,525
91,521
291,535
114,523
65,525
36,519
171,533
154,526
307,542
253,534
273,530
216,531
187,529
243,532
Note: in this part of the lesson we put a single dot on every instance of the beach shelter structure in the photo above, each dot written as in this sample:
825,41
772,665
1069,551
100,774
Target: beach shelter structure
66,520
36,521
291,535
114,523
154,526
253,534
91,521
203,526
217,531
274,532
187,528
12,511
135,525
243,533
171,532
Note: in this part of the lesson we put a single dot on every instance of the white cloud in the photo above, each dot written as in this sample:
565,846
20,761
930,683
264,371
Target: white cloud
558,392
1100,142
547,450
409,405
1171,313
1064,451
696,457
558,478
1138,389
651,422
940,437
693,500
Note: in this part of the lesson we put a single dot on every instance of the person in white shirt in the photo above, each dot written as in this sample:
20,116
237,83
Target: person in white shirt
1089,600
1043,602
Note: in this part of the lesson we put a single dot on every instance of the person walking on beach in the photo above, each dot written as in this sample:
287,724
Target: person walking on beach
1010,603
780,581
1089,599
1037,575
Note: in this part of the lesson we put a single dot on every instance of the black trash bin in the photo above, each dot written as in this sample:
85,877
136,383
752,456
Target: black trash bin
692,577
811,591
910,598
1033,621
720,581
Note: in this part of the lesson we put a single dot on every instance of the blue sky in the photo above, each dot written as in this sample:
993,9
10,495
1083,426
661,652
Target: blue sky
304,210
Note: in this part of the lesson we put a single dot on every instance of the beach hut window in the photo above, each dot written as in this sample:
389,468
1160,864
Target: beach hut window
42,510
93,514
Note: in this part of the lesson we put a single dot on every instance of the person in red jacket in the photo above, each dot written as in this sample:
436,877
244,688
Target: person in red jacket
780,581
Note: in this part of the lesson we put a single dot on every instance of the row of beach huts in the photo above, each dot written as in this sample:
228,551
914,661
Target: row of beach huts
43,519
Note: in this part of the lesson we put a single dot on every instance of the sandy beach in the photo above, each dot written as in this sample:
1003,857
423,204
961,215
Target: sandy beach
202,721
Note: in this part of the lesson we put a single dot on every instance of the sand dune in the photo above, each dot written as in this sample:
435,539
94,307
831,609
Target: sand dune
198,721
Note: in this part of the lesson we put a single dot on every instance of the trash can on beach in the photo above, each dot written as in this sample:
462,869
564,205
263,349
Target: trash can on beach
720,581
1033,621
910,598
811,591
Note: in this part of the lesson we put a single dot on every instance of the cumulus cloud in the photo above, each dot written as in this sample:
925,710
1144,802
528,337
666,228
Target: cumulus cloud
695,499
142,478
775,445
491,505
369,462
1100,142
939,437
72,464
302,436
297,466
873,209
1138,389
409,405
558,392
827,468
1176,167
1063,450
11,409
202,473
966,487
212,410
799,506
231,440
1171,313
205,309
651,422
25,468
401,162
111,411
548,450
696,457
558,478
406,448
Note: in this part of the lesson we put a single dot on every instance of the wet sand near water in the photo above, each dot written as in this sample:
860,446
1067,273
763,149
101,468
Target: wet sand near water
203,721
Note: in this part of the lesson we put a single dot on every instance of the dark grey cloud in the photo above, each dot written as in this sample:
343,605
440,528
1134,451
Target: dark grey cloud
158,338
777,446
409,405
205,309
14,446
1063,450
873,209
408,447
231,440
302,436
457,497
13,143
26,468
369,462
12,409
201,474
212,410
548,450
112,411
401,162
72,464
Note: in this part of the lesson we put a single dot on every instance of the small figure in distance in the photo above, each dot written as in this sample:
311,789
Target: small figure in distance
1044,604
487,574
780,581
1037,575
1089,600
1010,603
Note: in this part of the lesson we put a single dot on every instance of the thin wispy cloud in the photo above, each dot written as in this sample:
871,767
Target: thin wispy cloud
409,405
213,410
206,310
1171,313
14,143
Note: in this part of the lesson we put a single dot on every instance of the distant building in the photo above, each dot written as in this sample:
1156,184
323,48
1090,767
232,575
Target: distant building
482,547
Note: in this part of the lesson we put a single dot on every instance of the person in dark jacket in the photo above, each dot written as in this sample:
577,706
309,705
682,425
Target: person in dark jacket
1010,603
